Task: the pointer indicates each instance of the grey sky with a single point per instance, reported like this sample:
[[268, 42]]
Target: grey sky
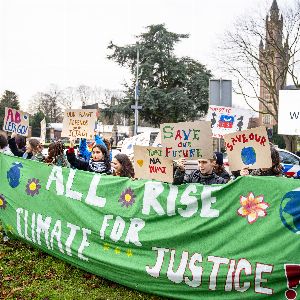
[[65, 41]]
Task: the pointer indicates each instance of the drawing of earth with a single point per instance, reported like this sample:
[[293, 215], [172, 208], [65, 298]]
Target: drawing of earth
[[248, 156]]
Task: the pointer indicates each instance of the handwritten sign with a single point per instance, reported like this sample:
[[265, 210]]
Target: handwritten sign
[[43, 131], [150, 163], [79, 123], [192, 140], [16, 121], [248, 148], [289, 112], [225, 120]]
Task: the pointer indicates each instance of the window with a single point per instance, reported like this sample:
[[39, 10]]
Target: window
[[288, 158]]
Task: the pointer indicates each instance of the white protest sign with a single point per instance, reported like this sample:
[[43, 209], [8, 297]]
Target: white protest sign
[[79, 123], [226, 120], [43, 131], [142, 139], [16, 121], [191, 140], [248, 148], [149, 163], [289, 112]]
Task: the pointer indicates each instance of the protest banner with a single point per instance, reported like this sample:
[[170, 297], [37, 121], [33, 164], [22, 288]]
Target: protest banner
[[43, 131], [16, 121], [226, 120], [289, 112], [234, 241], [248, 148], [150, 163], [79, 123], [191, 140]]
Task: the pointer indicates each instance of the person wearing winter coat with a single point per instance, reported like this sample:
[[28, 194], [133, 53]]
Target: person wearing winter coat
[[98, 163], [204, 175], [275, 170], [86, 153], [219, 168], [33, 149], [4, 148]]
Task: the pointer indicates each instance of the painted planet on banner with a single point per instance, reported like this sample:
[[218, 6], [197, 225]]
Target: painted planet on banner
[[290, 210]]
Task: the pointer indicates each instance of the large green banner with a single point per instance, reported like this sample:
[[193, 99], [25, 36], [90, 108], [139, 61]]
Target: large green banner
[[239, 240]]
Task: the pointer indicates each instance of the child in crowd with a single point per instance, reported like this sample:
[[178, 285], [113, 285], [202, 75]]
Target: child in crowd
[[4, 148], [99, 161], [122, 166], [33, 149], [56, 155]]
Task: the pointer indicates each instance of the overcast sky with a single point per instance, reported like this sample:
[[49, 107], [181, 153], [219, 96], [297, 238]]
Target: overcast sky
[[64, 42]]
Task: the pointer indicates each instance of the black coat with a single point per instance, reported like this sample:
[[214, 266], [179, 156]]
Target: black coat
[[197, 177]]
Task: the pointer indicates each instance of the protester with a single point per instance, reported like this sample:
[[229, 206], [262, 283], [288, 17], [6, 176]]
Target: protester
[[122, 166], [219, 168], [99, 161], [275, 170], [204, 175], [33, 149], [86, 153], [4, 148], [56, 155]]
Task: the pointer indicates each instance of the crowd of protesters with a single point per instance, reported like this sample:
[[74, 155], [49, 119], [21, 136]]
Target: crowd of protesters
[[96, 156]]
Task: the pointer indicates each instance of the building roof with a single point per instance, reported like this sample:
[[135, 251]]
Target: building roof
[[274, 5]]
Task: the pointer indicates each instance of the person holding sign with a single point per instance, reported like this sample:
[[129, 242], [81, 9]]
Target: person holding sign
[[204, 175], [275, 170], [99, 161], [122, 166], [33, 149]]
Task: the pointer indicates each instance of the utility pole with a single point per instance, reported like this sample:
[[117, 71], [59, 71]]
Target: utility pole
[[136, 107]]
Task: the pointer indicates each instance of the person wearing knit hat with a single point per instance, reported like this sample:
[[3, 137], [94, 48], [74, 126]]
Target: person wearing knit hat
[[219, 168]]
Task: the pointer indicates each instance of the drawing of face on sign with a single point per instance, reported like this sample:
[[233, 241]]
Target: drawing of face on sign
[[226, 121]]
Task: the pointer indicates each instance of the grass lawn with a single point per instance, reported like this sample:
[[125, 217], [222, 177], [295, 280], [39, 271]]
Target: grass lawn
[[27, 273]]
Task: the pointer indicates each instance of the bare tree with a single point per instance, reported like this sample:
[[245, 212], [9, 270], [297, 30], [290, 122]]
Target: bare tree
[[262, 53], [49, 103]]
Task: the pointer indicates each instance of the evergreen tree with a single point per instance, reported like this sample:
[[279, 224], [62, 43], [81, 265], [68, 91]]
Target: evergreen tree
[[171, 89]]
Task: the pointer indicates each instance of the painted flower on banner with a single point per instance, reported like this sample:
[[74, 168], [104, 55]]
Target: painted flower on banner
[[127, 197], [2, 202], [33, 186], [252, 207]]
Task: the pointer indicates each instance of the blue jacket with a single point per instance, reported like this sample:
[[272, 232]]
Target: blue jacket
[[85, 153]]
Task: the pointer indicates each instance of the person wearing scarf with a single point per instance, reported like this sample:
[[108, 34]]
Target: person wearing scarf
[[98, 163]]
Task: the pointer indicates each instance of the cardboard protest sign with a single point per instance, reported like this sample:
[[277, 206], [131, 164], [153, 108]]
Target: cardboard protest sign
[[191, 140], [150, 163], [248, 148], [16, 121], [289, 112], [226, 120], [79, 123], [43, 131]]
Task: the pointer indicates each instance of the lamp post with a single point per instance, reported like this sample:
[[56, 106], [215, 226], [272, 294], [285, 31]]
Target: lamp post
[[136, 107]]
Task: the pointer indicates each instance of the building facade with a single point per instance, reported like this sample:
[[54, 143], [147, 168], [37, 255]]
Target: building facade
[[273, 62]]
